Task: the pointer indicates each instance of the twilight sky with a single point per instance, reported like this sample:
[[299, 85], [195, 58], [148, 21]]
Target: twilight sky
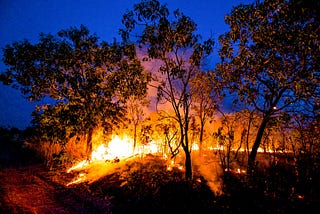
[[25, 19]]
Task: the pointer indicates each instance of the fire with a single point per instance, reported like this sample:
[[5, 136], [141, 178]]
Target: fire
[[105, 156], [195, 147], [172, 164], [100, 153], [119, 148], [80, 165], [80, 178]]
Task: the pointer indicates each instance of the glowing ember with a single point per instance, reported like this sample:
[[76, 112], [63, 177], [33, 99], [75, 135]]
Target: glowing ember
[[169, 167], [241, 171], [173, 164], [300, 196], [238, 170], [180, 167]]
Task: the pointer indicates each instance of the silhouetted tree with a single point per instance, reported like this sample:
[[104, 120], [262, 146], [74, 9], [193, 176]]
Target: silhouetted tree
[[88, 80], [135, 114], [178, 49], [270, 58], [205, 101]]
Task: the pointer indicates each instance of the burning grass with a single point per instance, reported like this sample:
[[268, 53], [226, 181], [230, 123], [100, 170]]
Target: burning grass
[[106, 158], [147, 185], [90, 172], [142, 179]]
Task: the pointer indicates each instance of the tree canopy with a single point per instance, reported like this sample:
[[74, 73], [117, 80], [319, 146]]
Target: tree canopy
[[172, 40], [88, 80], [270, 58]]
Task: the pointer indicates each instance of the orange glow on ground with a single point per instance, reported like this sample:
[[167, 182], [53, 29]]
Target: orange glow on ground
[[106, 155]]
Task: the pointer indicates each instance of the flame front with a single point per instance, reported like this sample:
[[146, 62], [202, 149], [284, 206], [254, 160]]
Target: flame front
[[106, 156], [117, 148], [120, 148]]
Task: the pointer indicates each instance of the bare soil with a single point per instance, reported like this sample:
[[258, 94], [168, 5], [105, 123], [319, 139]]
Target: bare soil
[[27, 187]]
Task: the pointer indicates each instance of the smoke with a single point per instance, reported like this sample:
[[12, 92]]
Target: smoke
[[211, 171]]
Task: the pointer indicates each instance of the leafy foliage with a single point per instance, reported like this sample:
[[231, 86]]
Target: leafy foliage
[[89, 81], [170, 39], [205, 100], [270, 58]]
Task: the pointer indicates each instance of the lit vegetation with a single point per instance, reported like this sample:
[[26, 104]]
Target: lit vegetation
[[190, 151]]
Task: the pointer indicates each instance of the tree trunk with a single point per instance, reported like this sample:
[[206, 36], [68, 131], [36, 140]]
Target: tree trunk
[[201, 139], [188, 172], [134, 138], [89, 143], [255, 147], [187, 152], [248, 134]]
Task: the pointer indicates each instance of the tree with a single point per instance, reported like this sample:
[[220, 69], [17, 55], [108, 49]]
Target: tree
[[204, 100], [135, 114], [89, 81], [270, 58], [176, 46]]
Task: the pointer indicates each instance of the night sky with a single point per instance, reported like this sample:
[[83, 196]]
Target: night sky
[[25, 19]]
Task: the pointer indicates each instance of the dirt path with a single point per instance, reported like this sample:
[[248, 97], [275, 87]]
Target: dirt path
[[24, 192], [27, 190], [26, 187]]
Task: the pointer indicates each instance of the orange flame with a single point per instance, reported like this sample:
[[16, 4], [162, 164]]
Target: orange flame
[[104, 154]]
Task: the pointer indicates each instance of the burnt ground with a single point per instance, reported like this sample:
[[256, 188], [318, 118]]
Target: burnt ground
[[27, 187]]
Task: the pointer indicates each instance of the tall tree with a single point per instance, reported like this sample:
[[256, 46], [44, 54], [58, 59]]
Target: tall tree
[[204, 100], [89, 81], [270, 58], [172, 41]]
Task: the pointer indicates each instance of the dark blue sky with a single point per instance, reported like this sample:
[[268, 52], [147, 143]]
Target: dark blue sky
[[25, 19]]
